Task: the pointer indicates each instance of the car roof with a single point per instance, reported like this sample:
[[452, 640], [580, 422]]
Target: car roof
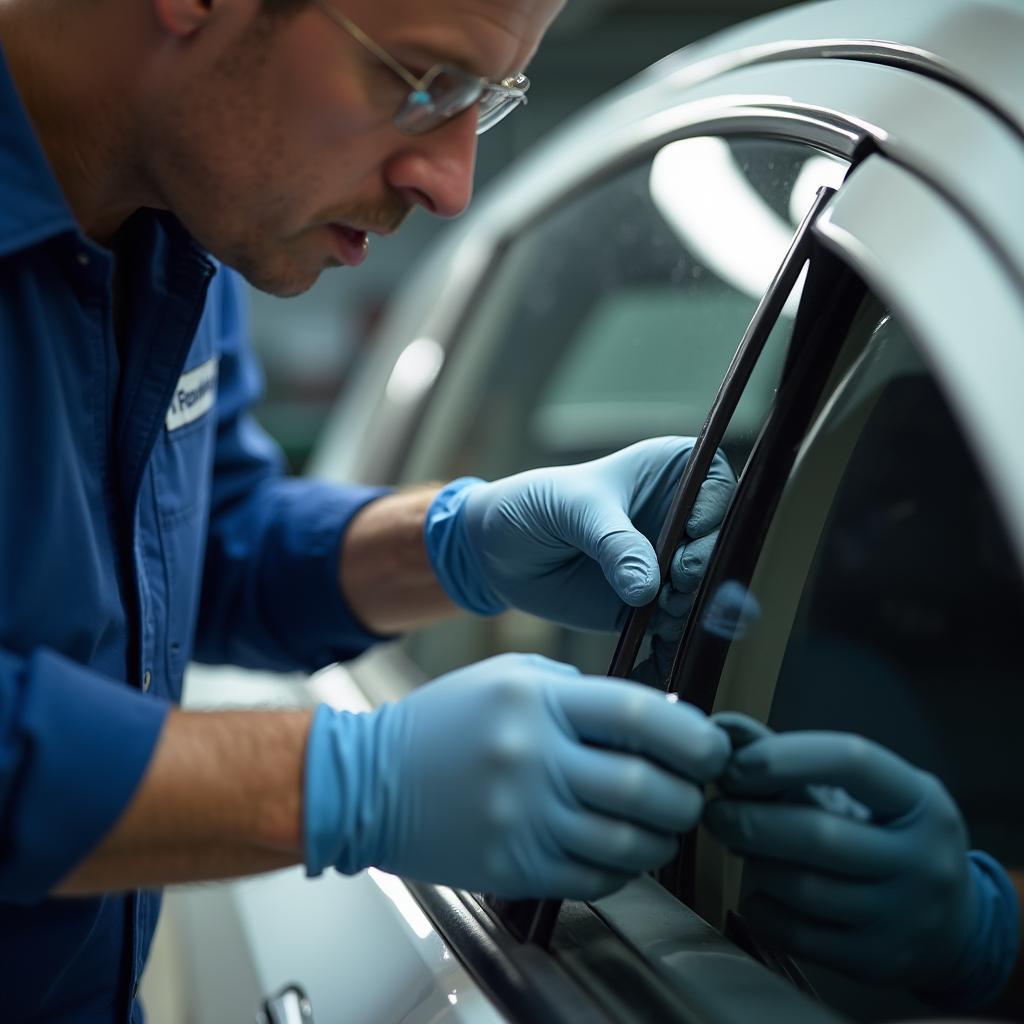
[[974, 45]]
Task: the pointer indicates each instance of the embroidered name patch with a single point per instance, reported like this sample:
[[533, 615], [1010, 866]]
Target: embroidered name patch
[[194, 394]]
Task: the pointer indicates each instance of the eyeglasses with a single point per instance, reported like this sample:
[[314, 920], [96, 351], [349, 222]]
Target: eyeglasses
[[444, 92]]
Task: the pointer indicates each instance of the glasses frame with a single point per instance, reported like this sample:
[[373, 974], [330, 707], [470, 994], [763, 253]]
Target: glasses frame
[[497, 99]]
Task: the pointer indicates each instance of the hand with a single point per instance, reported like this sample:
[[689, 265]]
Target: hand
[[895, 898], [516, 776], [572, 543]]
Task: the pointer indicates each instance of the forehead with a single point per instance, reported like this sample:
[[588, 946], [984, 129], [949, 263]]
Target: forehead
[[492, 38]]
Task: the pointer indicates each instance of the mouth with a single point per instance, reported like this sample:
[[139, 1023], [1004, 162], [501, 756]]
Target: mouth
[[350, 244]]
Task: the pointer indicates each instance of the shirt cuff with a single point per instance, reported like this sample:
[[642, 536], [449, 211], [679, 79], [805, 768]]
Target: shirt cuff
[[81, 743]]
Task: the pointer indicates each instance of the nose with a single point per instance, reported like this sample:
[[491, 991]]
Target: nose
[[435, 170]]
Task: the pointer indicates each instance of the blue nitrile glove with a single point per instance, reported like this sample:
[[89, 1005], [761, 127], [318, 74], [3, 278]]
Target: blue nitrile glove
[[516, 776], [896, 898], [550, 541]]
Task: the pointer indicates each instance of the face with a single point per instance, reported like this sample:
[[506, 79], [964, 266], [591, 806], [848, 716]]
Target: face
[[271, 139]]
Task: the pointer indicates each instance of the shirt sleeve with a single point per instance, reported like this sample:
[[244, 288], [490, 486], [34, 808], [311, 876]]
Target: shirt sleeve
[[270, 596], [62, 786]]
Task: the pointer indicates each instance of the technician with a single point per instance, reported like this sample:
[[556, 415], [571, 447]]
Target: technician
[[146, 147]]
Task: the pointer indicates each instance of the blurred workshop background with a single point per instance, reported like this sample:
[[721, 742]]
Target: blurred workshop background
[[309, 345]]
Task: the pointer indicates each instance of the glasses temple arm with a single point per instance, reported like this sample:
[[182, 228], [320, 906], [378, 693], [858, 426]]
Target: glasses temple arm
[[364, 40]]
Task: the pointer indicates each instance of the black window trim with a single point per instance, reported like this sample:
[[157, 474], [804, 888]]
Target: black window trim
[[533, 921], [832, 295]]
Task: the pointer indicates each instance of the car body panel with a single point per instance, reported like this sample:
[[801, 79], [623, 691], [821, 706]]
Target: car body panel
[[975, 348], [972, 45]]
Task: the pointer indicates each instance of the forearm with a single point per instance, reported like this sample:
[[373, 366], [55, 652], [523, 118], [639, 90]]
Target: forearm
[[221, 797], [384, 572]]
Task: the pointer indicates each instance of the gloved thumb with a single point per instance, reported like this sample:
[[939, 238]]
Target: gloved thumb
[[626, 557]]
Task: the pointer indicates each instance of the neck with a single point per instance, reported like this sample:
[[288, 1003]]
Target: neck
[[75, 87]]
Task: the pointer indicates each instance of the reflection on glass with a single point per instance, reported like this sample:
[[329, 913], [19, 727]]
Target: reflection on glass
[[890, 606], [731, 611], [415, 370], [706, 197]]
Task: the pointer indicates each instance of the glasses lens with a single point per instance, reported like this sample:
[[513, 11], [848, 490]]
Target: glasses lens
[[446, 93]]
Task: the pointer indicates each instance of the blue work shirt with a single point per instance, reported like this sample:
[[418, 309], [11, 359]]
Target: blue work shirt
[[145, 519]]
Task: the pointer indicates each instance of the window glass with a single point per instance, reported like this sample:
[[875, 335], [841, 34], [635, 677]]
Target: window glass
[[611, 320], [886, 600]]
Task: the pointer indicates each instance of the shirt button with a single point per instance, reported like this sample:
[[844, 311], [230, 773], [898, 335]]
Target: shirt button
[[82, 259], [147, 679]]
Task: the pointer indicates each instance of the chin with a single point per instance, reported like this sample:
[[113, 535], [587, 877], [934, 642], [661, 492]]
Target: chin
[[276, 277]]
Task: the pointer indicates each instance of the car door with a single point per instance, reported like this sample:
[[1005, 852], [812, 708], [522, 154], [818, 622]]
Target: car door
[[904, 307]]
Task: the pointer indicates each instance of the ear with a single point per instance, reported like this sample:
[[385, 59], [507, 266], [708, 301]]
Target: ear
[[184, 17]]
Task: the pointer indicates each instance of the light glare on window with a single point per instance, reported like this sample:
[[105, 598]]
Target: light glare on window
[[707, 199], [415, 370]]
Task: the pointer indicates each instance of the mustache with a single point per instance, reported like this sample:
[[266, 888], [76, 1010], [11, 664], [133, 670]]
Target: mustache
[[386, 215]]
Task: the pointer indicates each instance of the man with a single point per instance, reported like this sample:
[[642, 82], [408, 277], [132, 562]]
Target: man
[[146, 146]]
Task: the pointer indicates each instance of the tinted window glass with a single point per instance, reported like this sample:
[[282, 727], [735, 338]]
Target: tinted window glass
[[886, 600], [611, 320]]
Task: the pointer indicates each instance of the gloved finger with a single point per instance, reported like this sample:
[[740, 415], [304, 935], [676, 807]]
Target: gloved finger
[[613, 845], [632, 789], [668, 627], [805, 836], [820, 897], [690, 563], [742, 729], [625, 555], [713, 498], [675, 605], [636, 719], [888, 785], [656, 668], [782, 929]]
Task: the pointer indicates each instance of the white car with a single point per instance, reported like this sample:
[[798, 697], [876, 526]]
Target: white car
[[805, 238]]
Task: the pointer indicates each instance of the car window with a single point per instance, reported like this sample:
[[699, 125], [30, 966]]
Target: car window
[[885, 600], [610, 320]]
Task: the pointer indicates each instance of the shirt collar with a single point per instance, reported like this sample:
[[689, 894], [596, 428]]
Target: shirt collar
[[32, 206]]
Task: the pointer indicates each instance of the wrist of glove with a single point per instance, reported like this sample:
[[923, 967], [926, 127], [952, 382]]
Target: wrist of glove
[[858, 860], [452, 555], [517, 776], [992, 941]]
